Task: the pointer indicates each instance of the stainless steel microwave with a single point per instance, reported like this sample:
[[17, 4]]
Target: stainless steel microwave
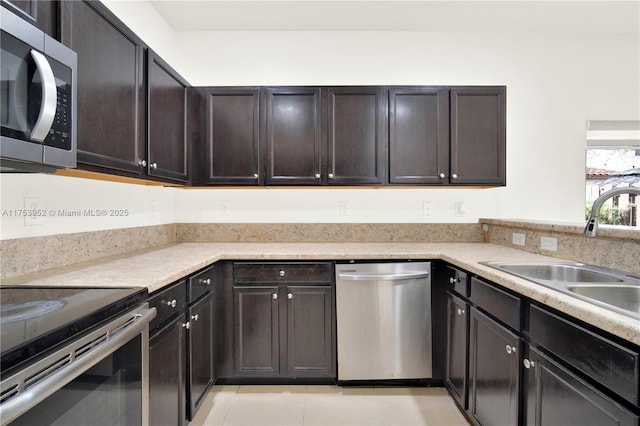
[[38, 88]]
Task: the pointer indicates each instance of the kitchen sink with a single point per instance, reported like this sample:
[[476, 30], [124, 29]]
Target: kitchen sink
[[559, 272], [609, 288], [623, 296]]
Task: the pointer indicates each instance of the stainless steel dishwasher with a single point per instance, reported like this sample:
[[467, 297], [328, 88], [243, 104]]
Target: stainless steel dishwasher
[[383, 313]]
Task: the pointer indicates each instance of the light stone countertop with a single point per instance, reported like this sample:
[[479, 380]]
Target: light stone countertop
[[156, 268]]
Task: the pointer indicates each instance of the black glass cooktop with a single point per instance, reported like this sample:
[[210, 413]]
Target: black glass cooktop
[[35, 319]]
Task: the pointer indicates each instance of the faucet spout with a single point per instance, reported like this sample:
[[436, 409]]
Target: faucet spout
[[591, 228]]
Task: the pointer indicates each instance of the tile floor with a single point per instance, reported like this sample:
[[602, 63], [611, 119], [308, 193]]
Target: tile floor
[[328, 405]]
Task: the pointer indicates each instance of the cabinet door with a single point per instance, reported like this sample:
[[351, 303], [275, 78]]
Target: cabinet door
[[256, 331], [233, 136], [41, 13], [478, 135], [457, 348], [292, 133], [555, 396], [166, 375], [356, 135], [493, 372], [418, 135], [200, 347], [310, 349], [166, 120], [111, 119]]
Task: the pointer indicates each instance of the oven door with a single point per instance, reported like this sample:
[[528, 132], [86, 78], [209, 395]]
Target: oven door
[[101, 379]]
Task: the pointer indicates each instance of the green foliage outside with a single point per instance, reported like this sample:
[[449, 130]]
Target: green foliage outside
[[612, 215]]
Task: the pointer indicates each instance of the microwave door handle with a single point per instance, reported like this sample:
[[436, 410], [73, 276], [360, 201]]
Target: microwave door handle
[[49, 98]]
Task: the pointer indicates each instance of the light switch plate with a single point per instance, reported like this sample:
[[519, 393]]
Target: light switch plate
[[549, 243]]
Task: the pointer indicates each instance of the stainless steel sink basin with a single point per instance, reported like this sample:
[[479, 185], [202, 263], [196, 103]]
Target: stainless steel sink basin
[[609, 288], [623, 296], [560, 272]]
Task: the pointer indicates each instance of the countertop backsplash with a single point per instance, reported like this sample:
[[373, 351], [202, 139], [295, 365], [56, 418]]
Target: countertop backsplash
[[617, 247]]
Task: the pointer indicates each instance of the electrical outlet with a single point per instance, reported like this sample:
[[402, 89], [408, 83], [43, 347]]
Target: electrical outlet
[[344, 208], [33, 211], [549, 243], [225, 207], [426, 208], [518, 239], [460, 208], [153, 208]]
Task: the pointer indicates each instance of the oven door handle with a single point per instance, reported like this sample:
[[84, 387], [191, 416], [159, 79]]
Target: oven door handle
[[135, 323]]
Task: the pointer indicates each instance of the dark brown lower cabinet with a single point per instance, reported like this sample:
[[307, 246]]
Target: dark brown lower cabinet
[[494, 371], [283, 323], [166, 374], [257, 351], [284, 332], [200, 345], [309, 330], [455, 378], [556, 396]]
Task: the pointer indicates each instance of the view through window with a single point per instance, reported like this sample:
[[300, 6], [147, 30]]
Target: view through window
[[613, 161]]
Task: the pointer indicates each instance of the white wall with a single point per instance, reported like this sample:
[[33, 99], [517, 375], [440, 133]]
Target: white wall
[[66, 205], [555, 83]]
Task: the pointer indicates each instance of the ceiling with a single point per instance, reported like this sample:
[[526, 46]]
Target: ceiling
[[604, 17]]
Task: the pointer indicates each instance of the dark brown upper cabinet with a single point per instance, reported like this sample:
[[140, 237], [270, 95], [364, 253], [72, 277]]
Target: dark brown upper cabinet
[[232, 136], [478, 135], [167, 135], [418, 135], [111, 98], [292, 135], [355, 135], [41, 13]]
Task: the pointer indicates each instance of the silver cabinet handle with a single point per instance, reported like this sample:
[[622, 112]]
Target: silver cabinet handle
[[454, 176], [186, 325], [528, 364], [142, 163], [317, 175], [49, 98], [289, 296], [511, 349], [383, 277], [330, 175], [195, 317], [452, 280], [442, 175], [282, 273], [274, 296], [171, 303], [256, 176], [460, 311], [205, 281], [153, 165]]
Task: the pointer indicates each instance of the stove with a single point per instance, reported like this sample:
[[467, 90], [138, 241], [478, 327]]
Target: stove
[[34, 320]]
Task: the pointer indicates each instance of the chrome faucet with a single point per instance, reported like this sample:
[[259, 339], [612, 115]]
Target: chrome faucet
[[591, 229]]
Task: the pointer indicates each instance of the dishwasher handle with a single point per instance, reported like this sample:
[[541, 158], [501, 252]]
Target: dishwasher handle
[[354, 276]]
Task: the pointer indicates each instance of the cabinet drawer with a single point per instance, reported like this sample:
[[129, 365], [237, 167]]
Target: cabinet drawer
[[168, 302], [502, 305], [308, 273], [201, 283], [605, 361], [457, 280]]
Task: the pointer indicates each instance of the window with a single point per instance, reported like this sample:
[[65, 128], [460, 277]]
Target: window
[[613, 160]]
